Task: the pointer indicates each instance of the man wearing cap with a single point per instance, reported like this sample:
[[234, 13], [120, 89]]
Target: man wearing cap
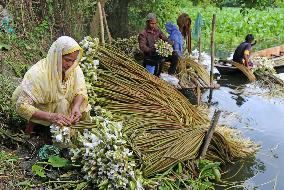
[[147, 38]]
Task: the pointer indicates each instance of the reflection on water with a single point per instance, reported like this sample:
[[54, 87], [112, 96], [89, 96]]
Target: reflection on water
[[235, 174], [260, 119]]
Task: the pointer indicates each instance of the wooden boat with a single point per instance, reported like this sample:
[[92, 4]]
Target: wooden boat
[[274, 53]]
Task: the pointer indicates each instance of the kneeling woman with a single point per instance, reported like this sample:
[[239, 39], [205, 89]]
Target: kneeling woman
[[53, 90]]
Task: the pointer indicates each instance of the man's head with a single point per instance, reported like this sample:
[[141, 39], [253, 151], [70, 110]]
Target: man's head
[[249, 38], [151, 21]]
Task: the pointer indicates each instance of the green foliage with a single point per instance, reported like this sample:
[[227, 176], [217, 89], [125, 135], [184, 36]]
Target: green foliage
[[231, 25], [179, 177], [8, 114], [209, 170], [10, 171], [38, 170], [4, 46], [54, 161], [244, 4], [37, 24], [7, 159], [164, 9]]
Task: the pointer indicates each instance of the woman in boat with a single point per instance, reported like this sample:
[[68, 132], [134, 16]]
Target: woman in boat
[[53, 90], [243, 51]]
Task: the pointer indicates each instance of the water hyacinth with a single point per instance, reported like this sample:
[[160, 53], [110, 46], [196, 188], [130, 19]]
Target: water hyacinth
[[163, 48]]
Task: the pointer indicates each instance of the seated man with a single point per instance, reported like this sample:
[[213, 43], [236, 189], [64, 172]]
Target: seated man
[[176, 38], [243, 51], [147, 39]]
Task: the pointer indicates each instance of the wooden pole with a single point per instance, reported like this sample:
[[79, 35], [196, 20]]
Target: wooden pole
[[198, 92], [212, 48], [210, 132], [107, 28], [101, 23], [1, 63], [199, 48], [210, 96]]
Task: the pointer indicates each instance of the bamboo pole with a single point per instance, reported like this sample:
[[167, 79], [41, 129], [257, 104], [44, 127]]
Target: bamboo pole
[[212, 48], [199, 47], [210, 96], [1, 63], [107, 28], [101, 22], [198, 91], [210, 132]]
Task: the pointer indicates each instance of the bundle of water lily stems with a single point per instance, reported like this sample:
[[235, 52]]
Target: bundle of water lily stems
[[162, 127], [267, 79], [190, 72], [248, 72]]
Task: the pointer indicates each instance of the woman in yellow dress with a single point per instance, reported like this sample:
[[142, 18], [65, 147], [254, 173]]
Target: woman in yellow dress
[[53, 90]]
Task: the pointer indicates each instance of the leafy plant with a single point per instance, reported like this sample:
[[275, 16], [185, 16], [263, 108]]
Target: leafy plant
[[54, 161], [178, 177], [8, 114]]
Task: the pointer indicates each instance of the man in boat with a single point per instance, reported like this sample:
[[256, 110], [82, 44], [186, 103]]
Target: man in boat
[[243, 51], [147, 39]]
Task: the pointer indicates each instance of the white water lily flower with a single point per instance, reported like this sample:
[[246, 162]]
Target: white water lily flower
[[89, 145], [96, 63], [58, 138], [65, 130], [83, 59], [116, 167], [54, 128]]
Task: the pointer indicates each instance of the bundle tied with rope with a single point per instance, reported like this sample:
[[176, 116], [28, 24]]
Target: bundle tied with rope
[[160, 124]]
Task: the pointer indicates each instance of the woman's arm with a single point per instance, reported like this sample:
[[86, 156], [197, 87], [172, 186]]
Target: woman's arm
[[75, 112], [56, 118], [26, 109]]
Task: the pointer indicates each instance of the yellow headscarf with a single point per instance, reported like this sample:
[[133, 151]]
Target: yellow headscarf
[[43, 81]]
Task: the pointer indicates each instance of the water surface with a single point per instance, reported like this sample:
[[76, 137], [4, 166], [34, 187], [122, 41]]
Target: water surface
[[262, 120]]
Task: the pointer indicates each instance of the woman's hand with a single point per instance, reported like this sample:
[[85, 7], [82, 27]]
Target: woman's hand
[[75, 114], [60, 119]]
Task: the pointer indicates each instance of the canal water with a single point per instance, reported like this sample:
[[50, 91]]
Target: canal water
[[261, 119]]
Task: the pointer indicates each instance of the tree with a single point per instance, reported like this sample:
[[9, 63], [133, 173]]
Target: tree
[[117, 15]]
